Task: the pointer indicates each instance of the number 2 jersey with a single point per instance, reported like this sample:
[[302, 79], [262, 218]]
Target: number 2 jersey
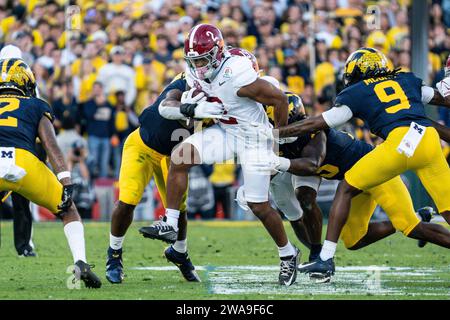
[[386, 103], [342, 152], [19, 121]]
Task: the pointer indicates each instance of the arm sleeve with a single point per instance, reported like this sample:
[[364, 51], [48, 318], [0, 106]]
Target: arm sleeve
[[427, 94], [170, 113], [337, 116]]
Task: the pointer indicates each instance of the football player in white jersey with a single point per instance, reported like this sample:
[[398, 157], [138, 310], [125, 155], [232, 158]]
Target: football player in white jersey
[[227, 83]]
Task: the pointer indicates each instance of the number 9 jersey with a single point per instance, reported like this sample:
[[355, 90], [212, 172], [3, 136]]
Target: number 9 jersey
[[386, 103]]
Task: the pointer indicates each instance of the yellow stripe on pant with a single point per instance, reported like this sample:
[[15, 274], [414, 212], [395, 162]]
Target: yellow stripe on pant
[[384, 163], [39, 185], [393, 197], [139, 164]]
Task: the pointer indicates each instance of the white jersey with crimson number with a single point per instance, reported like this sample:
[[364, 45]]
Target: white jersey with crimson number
[[234, 73]]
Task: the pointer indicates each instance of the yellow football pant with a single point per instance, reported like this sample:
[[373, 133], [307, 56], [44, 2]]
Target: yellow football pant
[[39, 185], [384, 163], [393, 197], [139, 164]]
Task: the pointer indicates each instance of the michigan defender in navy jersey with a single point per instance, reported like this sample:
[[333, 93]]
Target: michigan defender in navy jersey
[[342, 152], [391, 104], [146, 154], [23, 118]]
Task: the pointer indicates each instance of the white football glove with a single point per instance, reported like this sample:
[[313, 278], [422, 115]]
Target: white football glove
[[443, 87], [187, 97], [255, 133], [211, 110], [272, 164]]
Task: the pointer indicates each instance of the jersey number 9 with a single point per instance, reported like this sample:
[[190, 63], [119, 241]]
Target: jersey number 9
[[397, 94]]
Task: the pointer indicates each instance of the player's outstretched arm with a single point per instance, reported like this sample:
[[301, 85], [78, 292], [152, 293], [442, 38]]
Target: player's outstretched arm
[[265, 93], [313, 155], [439, 100], [169, 108], [444, 132], [47, 135], [303, 127]]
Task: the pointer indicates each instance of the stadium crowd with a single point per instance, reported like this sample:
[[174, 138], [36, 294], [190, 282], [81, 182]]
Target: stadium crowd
[[100, 63]]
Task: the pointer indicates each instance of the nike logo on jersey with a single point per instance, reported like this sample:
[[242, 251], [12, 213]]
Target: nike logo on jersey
[[221, 83]]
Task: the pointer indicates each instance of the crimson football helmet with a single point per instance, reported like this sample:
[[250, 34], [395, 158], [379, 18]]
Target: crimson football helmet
[[245, 53], [204, 50]]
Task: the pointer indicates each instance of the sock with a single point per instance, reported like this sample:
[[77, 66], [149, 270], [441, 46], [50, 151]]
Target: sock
[[116, 242], [315, 249], [74, 232], [180, 246], [172, 216], [328, 250], [286, 251]]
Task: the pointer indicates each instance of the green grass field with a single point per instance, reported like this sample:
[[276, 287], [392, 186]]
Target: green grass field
[[236, 260]]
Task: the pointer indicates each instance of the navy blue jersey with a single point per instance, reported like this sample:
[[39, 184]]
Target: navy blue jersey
[[342, 152], [19, 121], [386, 103], [156, 131]]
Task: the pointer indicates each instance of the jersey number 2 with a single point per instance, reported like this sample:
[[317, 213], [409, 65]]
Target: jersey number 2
[[11, 105], [397, 94]]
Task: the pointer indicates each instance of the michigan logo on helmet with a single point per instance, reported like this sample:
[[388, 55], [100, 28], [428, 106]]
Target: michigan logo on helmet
[[364, 63], [296, 109], [16, 75]]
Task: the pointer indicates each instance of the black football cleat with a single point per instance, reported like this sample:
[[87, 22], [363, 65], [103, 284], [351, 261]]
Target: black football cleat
[[320, 271], [288, 269], [82, 271], [183, 262], [28, 253], [160, 230], [114, 266], [425, 213]]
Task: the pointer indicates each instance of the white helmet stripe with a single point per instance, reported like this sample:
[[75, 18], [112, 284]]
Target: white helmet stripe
[[191, 38]]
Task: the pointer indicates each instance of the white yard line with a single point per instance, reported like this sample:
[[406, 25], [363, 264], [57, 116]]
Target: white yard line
[[351, 280]]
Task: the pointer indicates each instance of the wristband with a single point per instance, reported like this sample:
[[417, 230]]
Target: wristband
[[63, 174]]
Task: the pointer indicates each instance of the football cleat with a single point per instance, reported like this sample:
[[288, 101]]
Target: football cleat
[[320, 271], [183, 262], [28, 253], [82, 271], [425, 213], [288, 269], [160, 230], [114, 266]]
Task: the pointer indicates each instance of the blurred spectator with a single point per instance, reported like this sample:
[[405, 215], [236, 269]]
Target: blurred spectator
[[83, 194], [100, 127], [66, 106], [125, 122], [68, 135], [223, 178], [117, 76], [201, 195]]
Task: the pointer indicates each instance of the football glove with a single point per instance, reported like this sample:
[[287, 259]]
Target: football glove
[[198, 107], [444, 85], [66, 199]]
